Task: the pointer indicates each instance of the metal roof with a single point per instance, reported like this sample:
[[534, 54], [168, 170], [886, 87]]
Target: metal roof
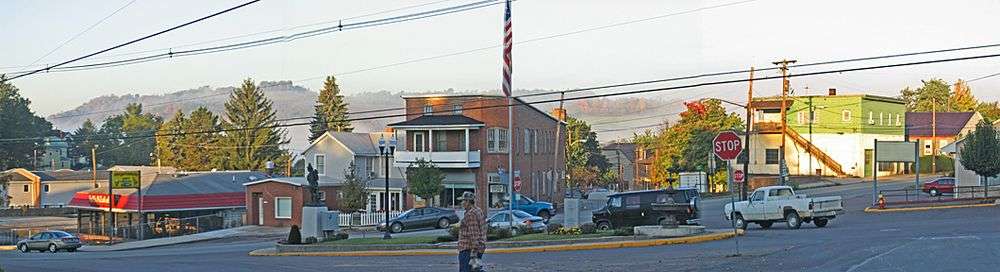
[[439, 120]]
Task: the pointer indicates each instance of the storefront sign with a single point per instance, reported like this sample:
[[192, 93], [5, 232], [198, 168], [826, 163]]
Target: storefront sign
[[103, 201], [125, 179], [497, 188]]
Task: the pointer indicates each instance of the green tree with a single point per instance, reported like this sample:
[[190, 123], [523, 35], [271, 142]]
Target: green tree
[[17, 122], [168, 145], [981, 153], [201, 150], [331, 111], [83, 141], [934, 91], [355, 193], [127, 137], [252, 137], [425, 180]]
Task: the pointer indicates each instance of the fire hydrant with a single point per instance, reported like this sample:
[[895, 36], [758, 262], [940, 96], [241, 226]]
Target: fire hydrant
[[881, 201]]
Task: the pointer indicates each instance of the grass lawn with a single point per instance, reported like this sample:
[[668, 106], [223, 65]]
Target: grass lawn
[[380, 241], [550, 237]]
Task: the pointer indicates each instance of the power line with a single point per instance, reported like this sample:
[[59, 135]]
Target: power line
[[641, 91], [64, 43], [48, 68], [272, 40]]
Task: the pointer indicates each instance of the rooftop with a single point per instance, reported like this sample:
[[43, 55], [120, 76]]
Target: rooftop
[[948, 124], [439, 120]]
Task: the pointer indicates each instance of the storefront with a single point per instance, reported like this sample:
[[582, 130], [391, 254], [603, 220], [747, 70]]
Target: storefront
[[169, 205]]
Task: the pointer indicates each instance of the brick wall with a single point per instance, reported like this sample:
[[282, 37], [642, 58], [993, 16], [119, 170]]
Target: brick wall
[[270, 190]]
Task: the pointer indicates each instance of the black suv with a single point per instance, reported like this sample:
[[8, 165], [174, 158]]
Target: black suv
[[651, 207]]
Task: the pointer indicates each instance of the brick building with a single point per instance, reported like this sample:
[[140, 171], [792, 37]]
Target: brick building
[[278, 202], [467, 137]]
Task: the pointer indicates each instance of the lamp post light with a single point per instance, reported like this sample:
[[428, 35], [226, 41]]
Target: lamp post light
[[387, 150]]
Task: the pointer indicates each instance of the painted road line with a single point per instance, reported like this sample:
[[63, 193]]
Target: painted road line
[[2, 248], [913, 209]]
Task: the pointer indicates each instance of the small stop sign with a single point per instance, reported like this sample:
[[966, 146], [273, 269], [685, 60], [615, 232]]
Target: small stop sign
[[727, 145], [738, 176]]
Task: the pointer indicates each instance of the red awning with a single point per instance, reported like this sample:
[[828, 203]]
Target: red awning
[[154, 203]]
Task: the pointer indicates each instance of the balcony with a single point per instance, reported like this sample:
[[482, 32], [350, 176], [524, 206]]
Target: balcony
[[441, 159]]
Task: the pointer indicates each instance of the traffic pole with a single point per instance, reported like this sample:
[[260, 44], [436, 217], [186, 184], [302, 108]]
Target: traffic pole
[[732, 203]]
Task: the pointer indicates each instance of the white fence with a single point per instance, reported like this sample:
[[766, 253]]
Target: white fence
[[367, 219]]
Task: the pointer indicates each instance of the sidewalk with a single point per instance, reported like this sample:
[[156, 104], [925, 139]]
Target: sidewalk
[[245, 231]]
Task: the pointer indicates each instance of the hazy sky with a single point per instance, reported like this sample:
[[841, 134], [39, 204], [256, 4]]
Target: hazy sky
[[720, 39]]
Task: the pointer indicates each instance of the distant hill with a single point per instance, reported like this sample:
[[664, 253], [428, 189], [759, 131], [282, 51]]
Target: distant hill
[[296, 101]]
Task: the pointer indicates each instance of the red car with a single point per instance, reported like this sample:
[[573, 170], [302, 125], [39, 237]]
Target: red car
[[940, 186]]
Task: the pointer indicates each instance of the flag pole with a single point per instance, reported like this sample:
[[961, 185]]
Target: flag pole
[[508, 90]]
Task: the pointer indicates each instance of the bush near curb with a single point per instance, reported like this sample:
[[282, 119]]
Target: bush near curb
[[311, 240], [294, 236], [521, 230], [624, 232], [454, 231], [343, 235], [568, 231], [551, 228], [588, 228], [445, 239], [493, 234]]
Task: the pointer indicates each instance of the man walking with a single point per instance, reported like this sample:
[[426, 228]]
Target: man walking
[[471, 235]]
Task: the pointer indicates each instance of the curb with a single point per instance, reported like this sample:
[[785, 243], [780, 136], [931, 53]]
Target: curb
[[105, 249], [6, 248], [552, 248], [913, 209]]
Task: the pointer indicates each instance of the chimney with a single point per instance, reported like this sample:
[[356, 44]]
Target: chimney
[[833, 91]]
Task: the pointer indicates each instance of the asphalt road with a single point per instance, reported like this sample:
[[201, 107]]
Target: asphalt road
[[937, 240]]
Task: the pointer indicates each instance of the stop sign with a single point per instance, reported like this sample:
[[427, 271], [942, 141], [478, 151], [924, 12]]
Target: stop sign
[[738, 176], [517, 184], [727, 145]]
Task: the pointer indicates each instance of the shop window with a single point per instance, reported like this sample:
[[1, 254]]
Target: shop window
[[283, 207], [771, 156]]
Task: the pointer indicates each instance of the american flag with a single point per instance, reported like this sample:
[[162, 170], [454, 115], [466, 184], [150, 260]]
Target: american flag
[[508, 37]]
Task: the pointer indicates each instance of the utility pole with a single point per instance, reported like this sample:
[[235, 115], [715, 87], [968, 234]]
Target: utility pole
[[93, 163], [560, 114], [746, 144], [783, 168], [933, 136]]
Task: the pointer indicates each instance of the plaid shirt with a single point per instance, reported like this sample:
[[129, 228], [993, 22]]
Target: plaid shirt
[[472, 231]]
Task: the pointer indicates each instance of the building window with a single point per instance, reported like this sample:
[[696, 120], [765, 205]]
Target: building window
[[25, 188], [370, 166], [527, 141], [871, 118], [283, 207], [813, 119], [322, 195], [456, 109], [428, 110], [898, 121], [419, 144], [881, 121], [771, 156], [45, 188], [845, 116], [440, 141], [320, 162], [491, 140], [800, 117], [496, 140], [534, 141]]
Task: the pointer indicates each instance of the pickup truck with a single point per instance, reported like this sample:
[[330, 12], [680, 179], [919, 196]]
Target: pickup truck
[[780, 204]]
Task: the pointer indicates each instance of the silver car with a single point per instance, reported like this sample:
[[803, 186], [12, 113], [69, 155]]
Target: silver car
[[50, 240], [502, 220]]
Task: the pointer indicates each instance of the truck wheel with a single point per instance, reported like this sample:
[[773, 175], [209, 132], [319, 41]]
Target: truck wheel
[[820, 222], [765, 224], [603, 225], [793, 220], [740, 223], [544, 214]]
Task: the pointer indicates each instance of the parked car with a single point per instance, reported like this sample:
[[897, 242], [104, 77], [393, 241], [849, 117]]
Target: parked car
[[540, 208], [940, 186], [502, 220], [772, 204], [650, 207], [50, 240], [425, 217]]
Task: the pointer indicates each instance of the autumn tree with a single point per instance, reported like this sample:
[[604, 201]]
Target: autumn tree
[[252, 137], [331, 111]]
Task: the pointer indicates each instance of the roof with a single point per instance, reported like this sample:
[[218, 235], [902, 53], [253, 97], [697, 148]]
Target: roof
[[182, 191], [63, 175], [770, 104], [326, 181], [439, 120], [518, 100], [775, 101], [627, 148], [947, 123], [361, 144]]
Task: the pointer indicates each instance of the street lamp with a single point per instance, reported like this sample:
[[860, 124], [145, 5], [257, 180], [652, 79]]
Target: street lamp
[[386, 151]]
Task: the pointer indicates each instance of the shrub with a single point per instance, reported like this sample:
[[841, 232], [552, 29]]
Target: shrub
[[342, 235], [445, 239], [294, 236], [588, 228], [521, 230], [311, 240], [551, 228], [568, 231], [454, 231], [624, 232], [493, 234]]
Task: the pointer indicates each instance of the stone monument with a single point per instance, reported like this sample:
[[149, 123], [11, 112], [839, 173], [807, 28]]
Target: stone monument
[[314, 210]]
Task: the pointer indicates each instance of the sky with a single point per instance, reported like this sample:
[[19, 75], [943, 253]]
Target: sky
[[678, 39]]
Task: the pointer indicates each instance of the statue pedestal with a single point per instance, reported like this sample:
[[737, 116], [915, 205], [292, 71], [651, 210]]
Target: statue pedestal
[[312, 222]]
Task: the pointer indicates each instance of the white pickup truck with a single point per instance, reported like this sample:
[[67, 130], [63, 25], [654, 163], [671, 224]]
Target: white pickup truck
[[780, 204]]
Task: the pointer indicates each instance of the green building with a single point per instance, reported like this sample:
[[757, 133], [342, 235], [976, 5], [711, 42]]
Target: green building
[[829, 135]]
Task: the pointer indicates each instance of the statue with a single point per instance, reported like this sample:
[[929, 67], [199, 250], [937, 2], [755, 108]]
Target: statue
[[313, 178]]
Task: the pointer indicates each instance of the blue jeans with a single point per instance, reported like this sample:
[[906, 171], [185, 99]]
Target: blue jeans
[[463, 260]]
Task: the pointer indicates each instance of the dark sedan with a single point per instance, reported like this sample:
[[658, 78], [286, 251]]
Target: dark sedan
[[51, 240], [422, 218]]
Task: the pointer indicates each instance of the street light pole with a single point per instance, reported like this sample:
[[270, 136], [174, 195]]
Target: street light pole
[[386, 152]]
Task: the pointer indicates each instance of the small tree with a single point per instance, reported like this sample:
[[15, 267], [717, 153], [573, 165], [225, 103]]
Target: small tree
[[981, 153], [425, 179], [355, 193]]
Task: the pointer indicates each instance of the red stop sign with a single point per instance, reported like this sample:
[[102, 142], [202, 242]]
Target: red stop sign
[[727, 145], [738, 176], [517, 184]]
